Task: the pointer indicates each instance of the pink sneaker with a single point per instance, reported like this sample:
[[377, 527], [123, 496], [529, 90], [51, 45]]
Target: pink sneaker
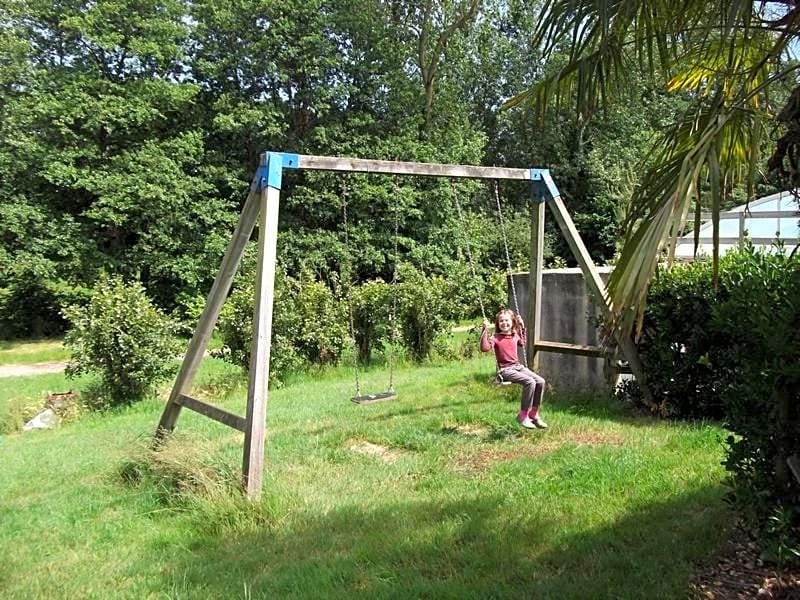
[[526, 423], [538, 422]]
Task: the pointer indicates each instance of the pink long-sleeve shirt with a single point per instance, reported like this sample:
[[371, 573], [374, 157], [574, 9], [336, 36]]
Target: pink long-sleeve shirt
[[505, 346]]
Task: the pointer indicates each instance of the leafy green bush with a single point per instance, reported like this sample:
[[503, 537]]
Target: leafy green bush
[[424, 310], [372, 309], [466, 291], [677, 342], [758, 371], [496, 296], [734, 354], [308, 325], [121, 336], [235, 324], [235, 329], [17, 412], [30, 306], [318, 322], [187, 311]]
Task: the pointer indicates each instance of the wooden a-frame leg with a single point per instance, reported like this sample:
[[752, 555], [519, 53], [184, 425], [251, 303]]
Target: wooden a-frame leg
[[598, 289], [208, 319], [536, 260], [255, 429]]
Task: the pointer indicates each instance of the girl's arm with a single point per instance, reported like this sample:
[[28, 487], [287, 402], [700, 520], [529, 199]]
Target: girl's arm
[[486, 343], [522, 333]]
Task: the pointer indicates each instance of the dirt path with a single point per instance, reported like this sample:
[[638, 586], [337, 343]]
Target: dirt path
[[34, 369]]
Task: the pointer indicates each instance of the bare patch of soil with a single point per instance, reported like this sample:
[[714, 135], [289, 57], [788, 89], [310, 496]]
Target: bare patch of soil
[[738, 573], [480, 461], [472, 430], [387, 455], [483, 458], [591, 437]]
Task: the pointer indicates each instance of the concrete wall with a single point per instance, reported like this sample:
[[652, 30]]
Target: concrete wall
[[566, 312]]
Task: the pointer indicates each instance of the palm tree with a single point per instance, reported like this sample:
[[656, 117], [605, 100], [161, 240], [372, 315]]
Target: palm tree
[[725, 57]]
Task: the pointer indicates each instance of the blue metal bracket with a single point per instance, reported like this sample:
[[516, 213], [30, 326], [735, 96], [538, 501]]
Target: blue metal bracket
[[270, 171], [543, 187]]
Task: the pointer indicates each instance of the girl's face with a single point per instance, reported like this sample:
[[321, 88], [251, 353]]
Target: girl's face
[[505, 323]]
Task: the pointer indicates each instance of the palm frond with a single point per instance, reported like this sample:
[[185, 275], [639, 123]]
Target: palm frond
[[605, 41], [588, 81], [733, 66], [705, 148]]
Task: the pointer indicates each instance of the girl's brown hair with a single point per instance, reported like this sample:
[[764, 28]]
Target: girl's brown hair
[[514, 320]]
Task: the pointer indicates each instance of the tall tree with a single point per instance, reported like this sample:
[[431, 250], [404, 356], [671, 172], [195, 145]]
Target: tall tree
[[593, 159], [431, 26], [101, 152]]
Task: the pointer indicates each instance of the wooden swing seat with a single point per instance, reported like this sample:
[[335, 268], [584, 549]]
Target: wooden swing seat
[[370, 398]]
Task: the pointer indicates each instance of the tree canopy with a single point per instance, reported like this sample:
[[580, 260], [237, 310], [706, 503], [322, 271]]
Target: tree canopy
[[129, 133]]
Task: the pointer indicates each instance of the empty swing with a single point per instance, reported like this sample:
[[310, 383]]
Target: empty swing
[[390, 393], [498, 379]]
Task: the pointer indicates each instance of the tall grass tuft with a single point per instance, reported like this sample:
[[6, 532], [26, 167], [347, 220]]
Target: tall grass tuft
[[192, 476], [17, 412]]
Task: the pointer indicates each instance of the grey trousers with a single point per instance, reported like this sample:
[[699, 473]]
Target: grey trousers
[[532, 384]]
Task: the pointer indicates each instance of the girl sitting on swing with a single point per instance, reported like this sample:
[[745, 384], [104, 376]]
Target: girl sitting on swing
[[509, 334]]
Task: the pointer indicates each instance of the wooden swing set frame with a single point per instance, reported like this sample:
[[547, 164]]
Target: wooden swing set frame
[[262, 206]]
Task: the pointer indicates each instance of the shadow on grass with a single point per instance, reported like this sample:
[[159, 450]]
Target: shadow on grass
[[474, 547], [606, 407], [398, 410], [457, 394], [594, 404], [505, 400], [599, 405]]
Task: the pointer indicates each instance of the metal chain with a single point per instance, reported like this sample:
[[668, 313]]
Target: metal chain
[[508, 260], [467, 246], [349, 288], [471, 261], [393, 314]]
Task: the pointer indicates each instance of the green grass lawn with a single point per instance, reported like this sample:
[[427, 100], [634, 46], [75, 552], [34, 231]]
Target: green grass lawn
[[32, 351], [438, 494]]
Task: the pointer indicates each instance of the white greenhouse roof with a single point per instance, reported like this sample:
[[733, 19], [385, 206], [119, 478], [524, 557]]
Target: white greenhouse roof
[[764, 231]]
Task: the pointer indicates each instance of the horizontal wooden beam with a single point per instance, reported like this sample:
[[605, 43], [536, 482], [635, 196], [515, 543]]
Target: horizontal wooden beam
[[212, 412], [574, 349], [360, 165]]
